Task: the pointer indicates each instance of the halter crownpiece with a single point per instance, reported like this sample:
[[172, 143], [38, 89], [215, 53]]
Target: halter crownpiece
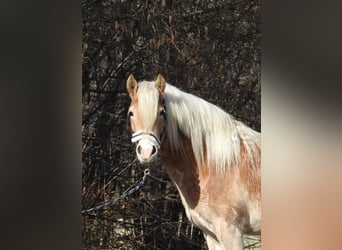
[[137, 136]]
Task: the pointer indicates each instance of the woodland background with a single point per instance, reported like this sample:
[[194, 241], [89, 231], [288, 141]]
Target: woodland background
[[206, 47]]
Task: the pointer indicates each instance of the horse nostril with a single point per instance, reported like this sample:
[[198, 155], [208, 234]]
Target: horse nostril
[[154, 150], [139, 149]]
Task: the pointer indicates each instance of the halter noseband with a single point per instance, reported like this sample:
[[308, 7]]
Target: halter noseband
[[137, 136]]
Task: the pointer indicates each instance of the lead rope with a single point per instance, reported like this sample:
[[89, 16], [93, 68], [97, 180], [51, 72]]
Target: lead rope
[[123, 196]]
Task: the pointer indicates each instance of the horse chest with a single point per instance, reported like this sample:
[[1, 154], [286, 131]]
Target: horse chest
[[187, 183], [198, 215]]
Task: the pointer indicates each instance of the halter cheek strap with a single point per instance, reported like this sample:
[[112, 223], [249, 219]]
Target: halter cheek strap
[[137, 136]]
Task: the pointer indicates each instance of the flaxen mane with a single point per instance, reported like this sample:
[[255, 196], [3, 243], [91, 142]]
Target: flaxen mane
[[202, 122]]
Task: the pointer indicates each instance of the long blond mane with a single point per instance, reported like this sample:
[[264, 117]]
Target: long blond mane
[[208, 127]]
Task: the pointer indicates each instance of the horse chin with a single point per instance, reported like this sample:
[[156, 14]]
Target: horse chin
[[147, 162]]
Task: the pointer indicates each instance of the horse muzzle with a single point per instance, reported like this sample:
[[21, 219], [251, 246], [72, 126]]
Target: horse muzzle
[[148, 145]]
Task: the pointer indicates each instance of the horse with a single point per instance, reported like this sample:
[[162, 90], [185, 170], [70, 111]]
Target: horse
[[212, 158]]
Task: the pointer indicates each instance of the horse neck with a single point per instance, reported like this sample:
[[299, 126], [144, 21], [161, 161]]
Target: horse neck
[[183, 170], [174, 160], [190, 178]]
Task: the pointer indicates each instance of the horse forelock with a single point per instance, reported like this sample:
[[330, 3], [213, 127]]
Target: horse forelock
[[148, 97], [209, 129]]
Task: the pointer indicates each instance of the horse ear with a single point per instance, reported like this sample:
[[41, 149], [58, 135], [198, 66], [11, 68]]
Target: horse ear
[[131, 85], [160, 83]]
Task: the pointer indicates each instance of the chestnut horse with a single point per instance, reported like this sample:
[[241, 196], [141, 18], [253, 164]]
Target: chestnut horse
[[213, 159]]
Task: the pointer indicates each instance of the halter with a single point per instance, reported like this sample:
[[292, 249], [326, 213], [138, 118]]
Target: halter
[[137, 136]]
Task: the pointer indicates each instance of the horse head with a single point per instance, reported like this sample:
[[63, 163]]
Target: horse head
[[147, 116]]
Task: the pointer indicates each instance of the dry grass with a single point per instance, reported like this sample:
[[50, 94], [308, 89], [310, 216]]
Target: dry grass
[[252, 242]]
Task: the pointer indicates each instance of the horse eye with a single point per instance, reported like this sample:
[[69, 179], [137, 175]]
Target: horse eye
[[130, 114], [162, 113]]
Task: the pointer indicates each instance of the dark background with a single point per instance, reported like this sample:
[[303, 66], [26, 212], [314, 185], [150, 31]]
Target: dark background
[[208, 48]]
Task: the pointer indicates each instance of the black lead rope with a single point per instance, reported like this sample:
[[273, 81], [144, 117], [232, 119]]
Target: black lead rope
[[123, 196]]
